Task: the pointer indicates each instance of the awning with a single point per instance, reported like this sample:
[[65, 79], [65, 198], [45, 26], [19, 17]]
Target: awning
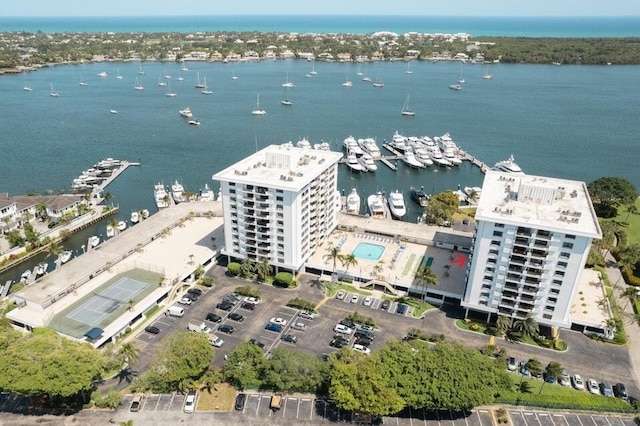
[[94, 333]]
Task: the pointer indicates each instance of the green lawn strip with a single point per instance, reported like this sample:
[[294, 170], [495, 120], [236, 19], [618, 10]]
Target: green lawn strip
[[556, 396], [482, 329], [408, 265], [419, 307], [332, 289], [633, 230]]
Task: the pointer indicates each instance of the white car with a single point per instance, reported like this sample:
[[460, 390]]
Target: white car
[[593, 387], [339, 328], [354, 298], [252, 300], [190, 402], [279, 321], [367, 301], [215, 341], [185, 301], [362, 349], [366, 328], [565, 378], [577, 382]]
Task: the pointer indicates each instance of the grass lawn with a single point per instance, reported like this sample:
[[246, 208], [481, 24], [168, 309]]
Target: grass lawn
[[221, 398], [332, 289], [556, 396], [633, 230]]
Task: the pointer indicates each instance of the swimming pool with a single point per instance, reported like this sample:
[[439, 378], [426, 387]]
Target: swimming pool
[[368, 251]]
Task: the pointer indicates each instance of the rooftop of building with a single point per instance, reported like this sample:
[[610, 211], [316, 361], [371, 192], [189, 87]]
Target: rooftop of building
[[538, 202], [281, 167]]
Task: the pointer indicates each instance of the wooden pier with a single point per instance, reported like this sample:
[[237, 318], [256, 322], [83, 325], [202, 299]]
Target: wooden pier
[[124, 165], [482, 166]]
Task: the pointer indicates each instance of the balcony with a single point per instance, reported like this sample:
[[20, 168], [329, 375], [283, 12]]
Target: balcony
[[520, 241]]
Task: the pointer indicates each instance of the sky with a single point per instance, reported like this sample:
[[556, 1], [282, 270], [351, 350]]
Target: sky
[[560, 8]]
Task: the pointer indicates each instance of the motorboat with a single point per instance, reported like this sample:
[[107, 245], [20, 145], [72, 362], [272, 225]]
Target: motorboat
[[354, 165], [396, 204], [102, 74], [145, 213], [135, 217], [411, 161], [110, 231], [368, 162], [369, 146], [375, 202], [207, 194], [286, 102], [322, 146], [351, 146], [94, 240], [508, 166], [347, 83], [353, 202], [177, 191], [25, 275], [419, 196], [194, 122], [113, 111], [65, 256], [122, 225], [455, 86], [422, 155], [399, 142], [41, 268], [303, 143], [186, 112], [160, 195]]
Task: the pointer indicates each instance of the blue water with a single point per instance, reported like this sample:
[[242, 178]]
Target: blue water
[[476, 26], [574, 122], [368, 251]]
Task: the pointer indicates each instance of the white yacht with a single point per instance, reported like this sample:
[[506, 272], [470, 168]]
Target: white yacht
[[186, 112], [138, 85], [353, 202], [41, 268], [287, 83], [422, 155], [354, 165], [160, 195], [399, 142], [369, 146], [396, 204], [322, 146], [351, 146], [411, 161], [368, 162], [25, 275], [94, 240], [122, 225], [303, 143], [135, 217], [102, 74], [207, 194], [110, 231], [65, 256], [508, 166], [258, 111], [375, 202], [177, 191]]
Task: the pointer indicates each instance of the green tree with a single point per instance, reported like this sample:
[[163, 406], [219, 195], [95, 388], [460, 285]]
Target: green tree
[[247, 268], [629, 256], [14, 238], [30, 234], [333, 255], [610, 192], [45, 364], [349, 260], [503, 323], [129, 354], [245, 366], [210, 378], [630, 293], [263, 269], [534, 366], [632, 209], [553, 369], [292, 371], [608, 240], [527, 327], [426, 277], [41, 210]]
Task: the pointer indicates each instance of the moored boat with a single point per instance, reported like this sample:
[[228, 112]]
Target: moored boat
[[135, 217], [411, 161], [354, 165], [419, 196], [177, 191], [353, 202], [375, 202], [508, 166], [94, 240], [396, 204], [122, 225], [160, 195], [207, 194], [368, 162], [41, 268], [65, 256], [186, 112], [110, 231]]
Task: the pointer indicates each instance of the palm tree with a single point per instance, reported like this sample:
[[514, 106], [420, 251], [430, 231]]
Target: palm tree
[[108, 196], [263, 269], [631, 294], [54, 249], [129, 353], [349, 260], [628, 257], [632, 209], [534, 366], [333, 255], [528, 326], [503, 323], [113, 223], [209, 379], [426, 277], [247, 268], [41, 210], [554, 369]]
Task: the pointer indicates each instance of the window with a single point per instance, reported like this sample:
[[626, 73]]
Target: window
[[554, 291], [547, 316], [560, 273], [495, 242], [549, 308], [564, 255], [557, 282], [567, 245], [562, 264], [497, 233], [570, 237], [499, 225], [279, 198]]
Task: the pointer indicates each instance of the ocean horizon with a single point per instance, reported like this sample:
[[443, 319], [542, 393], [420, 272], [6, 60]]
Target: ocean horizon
[[503, 26]]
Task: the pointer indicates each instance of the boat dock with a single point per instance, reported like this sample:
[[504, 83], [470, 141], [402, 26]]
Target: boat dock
[[482, 166], [117, 172]]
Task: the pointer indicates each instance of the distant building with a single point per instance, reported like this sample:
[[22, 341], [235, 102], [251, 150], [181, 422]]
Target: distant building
[[279, 204], [532, 240]]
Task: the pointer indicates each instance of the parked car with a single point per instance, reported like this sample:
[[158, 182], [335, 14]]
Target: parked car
[[248, 306], [224, 306], [257, 343], [299, 326], [226, 328], [279, 321], [402, 308], [578, 383], [273, 327], [340, 328], [348, 323], [307, 315], [191, 296], [385, 305], [512, 363], [367, 301], [340, 294], [195, 291], [339, 342], [235, 317], [606, 389], [549, 378], [565, 378], [354, 298], [362, 349], [290, 338], [620, 390], [136, 402], [364, 341], [152, 329], [366, 328], [185, 301], [213, 317], [592, 386], [190, 402], [363, 333], [523, 368], [240, 401]]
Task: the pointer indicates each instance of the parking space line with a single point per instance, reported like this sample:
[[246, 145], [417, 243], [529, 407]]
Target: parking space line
[[157, 403], [579, 419], [258, 406], [310, 408]]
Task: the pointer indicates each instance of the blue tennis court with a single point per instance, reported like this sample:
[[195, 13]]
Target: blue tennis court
[[107, 301]]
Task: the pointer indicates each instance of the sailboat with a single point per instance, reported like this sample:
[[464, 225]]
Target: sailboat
[[82, 82], [486, 75], [258, 111], [169, 93], [138, 85], [140, 70], [160, 82], [118, 76], [205, 89], [406, 110], [198, 84], [408, 70], [26, 87], [233, 75], [285, 100], [183, 67], [461, 80], [378, 82], [359, 73], [347, 82], [53, 93], [313, 68], [287, 83], [180, 77]]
